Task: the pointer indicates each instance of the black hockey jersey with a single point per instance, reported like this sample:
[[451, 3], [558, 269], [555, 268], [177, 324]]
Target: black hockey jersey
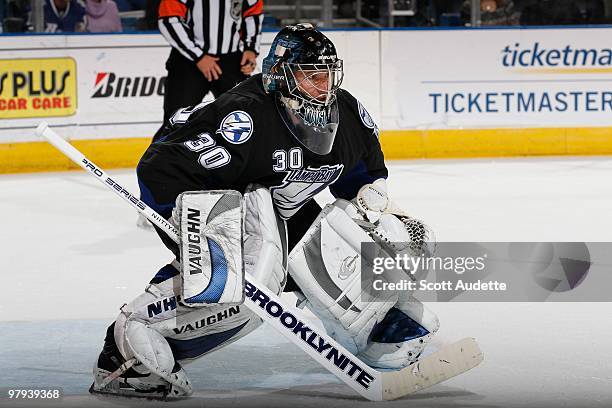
[[241, 138]]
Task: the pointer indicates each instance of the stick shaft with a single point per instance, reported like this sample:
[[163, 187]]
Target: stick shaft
[[79, 158], [289, 321]]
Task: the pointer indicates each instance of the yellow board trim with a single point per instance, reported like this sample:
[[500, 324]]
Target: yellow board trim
[[396, 144], [466, 143], [41, 156]]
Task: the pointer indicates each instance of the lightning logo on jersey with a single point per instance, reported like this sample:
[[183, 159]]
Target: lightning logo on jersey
[[366, 119], [301, 185], [236, 127]]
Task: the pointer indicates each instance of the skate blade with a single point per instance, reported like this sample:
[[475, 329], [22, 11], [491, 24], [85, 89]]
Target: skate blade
[[156, 395]]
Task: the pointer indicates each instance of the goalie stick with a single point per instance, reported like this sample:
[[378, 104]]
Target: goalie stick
[[372, 384]]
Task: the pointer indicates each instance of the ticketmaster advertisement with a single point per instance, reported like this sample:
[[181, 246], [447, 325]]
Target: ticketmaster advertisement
[[496, 78]]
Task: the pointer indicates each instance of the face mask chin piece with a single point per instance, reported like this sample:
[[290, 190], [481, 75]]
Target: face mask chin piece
[[313, 126]]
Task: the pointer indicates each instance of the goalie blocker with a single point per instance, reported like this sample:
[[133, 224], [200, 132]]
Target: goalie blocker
[[389, 332]]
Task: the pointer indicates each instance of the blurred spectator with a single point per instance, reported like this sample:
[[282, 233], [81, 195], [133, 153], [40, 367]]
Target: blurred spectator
[[149, 22], [608, 10], [492, 12], [129, 21], [129, 5], [370, 9], [591, 12], [425, 14], [565, 12], [448, 12], [17, 16], [550, 12], [102, 16], [378, 11], [64, 16]]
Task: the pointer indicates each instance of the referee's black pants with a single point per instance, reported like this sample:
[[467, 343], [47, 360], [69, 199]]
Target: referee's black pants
[[186, 85]]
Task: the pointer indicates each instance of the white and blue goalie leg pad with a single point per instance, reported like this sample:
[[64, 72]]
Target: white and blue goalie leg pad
[[210, 231], [265, 239], [152, 350], [157, 330]]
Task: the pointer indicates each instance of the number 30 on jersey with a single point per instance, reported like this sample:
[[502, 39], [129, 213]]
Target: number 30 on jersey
[[213, 156], [288, 160]]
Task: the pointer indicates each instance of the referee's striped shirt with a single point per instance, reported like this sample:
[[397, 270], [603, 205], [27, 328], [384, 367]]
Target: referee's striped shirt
[[214, 27]]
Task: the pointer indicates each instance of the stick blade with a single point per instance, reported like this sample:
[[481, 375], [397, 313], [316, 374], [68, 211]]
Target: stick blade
[[446, 363]]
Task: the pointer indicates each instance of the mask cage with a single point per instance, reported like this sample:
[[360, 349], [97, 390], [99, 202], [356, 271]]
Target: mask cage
[[314, 84]]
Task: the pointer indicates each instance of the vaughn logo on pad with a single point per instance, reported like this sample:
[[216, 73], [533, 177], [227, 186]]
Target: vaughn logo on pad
[[210, 225]]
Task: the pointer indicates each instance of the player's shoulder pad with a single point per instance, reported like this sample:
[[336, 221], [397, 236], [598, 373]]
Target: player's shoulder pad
[[345, 97], [241, 110], [251, 88]]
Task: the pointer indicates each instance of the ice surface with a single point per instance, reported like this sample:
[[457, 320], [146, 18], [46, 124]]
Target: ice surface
[[71, 255]]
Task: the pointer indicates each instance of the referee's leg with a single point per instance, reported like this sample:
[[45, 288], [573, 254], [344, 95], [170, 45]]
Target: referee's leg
[[185, 84], [231, 76]]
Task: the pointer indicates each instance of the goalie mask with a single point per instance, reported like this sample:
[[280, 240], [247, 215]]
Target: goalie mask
[[303, 70]]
